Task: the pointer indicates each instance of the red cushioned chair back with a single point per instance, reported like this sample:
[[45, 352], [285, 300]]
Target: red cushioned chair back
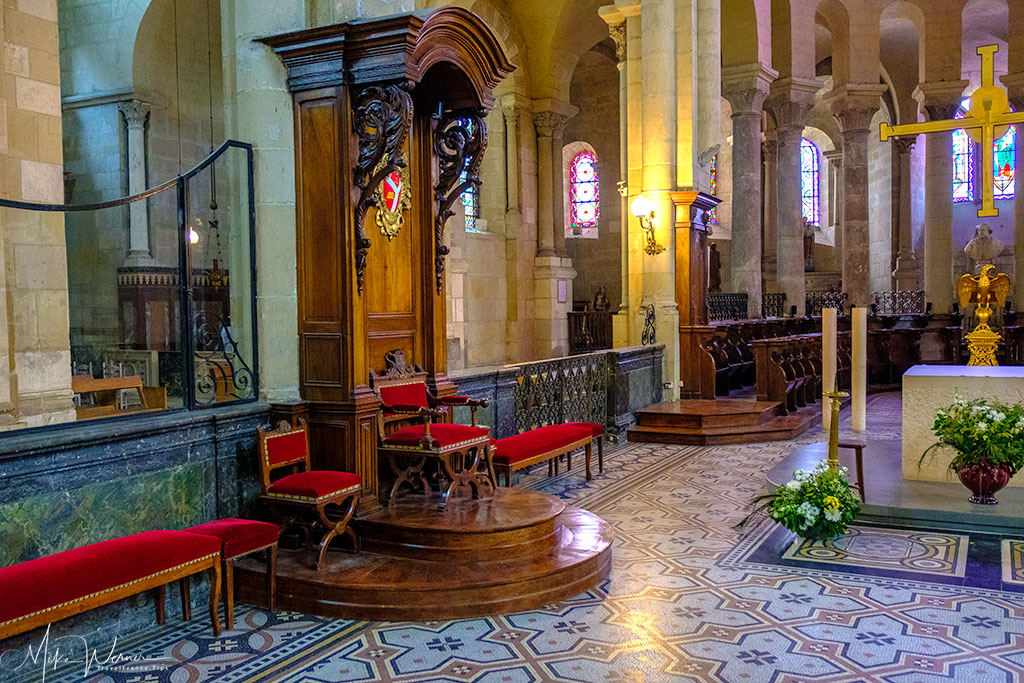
[[283, 447], [405, 394]]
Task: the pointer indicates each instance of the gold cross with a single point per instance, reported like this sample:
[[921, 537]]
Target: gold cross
[[987, 120]]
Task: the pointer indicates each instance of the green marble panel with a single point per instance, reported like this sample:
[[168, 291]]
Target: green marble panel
[[170, 498]]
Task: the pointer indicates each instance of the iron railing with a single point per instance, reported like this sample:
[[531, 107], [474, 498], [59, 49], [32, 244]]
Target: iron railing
[[727, 306], [819, 300], [589, 331], [899, 302], [773, 305], [558, 390]]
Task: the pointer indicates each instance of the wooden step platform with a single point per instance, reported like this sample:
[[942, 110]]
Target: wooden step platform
[[722, 421], [519, 550]]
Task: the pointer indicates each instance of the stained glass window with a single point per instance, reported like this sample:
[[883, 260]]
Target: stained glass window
[[963, 165], [713, 213], [471, 195], [1003, 167], [584, 197], [810, 181], [1004, 164]]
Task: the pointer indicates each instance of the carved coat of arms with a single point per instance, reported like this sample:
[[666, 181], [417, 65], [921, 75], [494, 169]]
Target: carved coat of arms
[[393, 200]]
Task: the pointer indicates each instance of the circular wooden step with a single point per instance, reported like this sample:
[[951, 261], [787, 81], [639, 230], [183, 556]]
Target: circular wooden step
[[513, 523], [369, 585]]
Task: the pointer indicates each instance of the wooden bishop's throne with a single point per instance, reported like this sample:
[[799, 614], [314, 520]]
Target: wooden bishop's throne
[[390, 130]]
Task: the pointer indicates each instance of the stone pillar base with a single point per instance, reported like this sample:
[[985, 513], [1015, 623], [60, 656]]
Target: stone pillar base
[[551, 312], [908, 271]]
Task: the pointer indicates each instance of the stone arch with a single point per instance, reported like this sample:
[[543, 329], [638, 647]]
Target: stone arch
[[579, 30], [792, 38], [832, 15], [902, 52], [747, 23], [983, 22]]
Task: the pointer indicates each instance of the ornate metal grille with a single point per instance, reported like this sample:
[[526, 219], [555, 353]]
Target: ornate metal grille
[[819, 300], [221, 371], [572, 389], [727, 306], [899, 302], [650, 336], [773, 305]]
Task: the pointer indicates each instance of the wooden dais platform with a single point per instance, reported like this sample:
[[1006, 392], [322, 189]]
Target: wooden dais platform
[[519, 550], [721, 421]]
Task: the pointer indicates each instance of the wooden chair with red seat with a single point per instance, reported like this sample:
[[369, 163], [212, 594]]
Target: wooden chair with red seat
[[324, 493], [410, 428]]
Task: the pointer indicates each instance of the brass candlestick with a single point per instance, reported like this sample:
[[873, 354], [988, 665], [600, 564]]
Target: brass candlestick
[[835, 397]]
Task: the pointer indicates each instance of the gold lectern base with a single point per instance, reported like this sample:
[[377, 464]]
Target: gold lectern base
[[982, 345]]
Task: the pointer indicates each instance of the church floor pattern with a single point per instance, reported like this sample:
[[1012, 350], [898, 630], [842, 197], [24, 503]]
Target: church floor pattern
[[689, 599]]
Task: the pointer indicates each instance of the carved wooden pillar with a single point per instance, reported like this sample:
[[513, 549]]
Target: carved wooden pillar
[[691, 236]]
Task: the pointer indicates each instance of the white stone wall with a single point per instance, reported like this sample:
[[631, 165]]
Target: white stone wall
[[880, 170]]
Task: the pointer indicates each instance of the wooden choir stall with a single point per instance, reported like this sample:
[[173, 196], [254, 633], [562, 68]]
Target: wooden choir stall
[[389, 132]]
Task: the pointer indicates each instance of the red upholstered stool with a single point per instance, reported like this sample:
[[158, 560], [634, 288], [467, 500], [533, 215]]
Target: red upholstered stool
[[242, 537], [598, 431]]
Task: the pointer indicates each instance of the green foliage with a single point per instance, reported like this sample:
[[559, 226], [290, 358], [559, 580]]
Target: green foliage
[[815, 504], [981, 431]]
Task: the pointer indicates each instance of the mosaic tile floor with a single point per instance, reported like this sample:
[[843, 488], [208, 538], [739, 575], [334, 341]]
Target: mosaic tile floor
[[686, 601]]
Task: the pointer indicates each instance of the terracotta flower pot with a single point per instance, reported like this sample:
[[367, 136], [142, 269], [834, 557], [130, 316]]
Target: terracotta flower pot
[[984, 479]]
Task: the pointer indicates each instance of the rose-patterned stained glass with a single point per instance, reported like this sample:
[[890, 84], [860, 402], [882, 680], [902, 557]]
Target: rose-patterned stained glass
[[713, 170], [584, 195], [810, 181], [963, 165]]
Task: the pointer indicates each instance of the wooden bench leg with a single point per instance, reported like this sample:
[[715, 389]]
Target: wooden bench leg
[[215, 597], [588, 449], [161, 600], [859, 454], [186, 598], [600, 454], [271, 575], [229, 593]]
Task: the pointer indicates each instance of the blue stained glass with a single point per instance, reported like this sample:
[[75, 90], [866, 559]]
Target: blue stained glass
[[1004, 164], [810, 181]]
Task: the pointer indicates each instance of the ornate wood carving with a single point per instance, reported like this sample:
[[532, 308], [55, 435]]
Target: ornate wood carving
[[460, 140], [394, 198], [383, 115]]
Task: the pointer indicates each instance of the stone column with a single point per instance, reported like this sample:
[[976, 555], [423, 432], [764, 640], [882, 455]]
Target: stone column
[[549, 126], [746, 88], [835, 190], [906, 273], [769, 234], [633, 124], [1015, 86], [553, 272], [520, 237], [790, 102], [709, 88], [258, 109], [136, 114], [854, 106], [617, 29], [940, 100], [660, 118]]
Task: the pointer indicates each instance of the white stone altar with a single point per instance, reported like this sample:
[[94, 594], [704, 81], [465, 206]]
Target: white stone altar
[[927, 388]]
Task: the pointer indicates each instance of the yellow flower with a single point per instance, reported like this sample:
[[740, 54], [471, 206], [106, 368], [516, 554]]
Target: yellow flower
[[830, 503]]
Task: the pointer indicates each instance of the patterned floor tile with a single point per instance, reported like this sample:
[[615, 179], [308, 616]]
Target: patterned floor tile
[[689, 598], [1013, 561]]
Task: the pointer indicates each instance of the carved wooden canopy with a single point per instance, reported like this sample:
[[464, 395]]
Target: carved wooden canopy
[[403, 47]]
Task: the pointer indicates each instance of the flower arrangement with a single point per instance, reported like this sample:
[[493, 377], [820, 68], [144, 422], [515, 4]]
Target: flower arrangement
[[989, 441], [815, 504], [981, 431]]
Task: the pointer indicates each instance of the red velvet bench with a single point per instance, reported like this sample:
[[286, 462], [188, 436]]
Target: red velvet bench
[[242, 537], [539, 445], [44, 590], [597, 430]]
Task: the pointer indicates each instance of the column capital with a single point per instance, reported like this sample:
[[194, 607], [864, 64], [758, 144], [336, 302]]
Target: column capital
[[790, 100], [549, 124], [854, 104], [746, 87], [940, 98], [135, 112], [616, 21], [834, 156], [904, 145]]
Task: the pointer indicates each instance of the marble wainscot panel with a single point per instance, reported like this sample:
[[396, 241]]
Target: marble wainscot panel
[[68, 486]]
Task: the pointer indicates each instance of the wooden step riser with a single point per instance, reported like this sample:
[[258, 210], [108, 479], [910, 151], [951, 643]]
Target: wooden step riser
[[536, 539], [704, 421]]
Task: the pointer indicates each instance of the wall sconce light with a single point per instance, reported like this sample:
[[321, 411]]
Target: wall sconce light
[[642, 209]]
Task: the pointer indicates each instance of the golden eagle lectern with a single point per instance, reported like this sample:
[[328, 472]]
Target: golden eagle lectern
[[983, 290]]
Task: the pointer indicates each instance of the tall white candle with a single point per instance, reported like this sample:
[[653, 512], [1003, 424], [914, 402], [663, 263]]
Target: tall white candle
[[828, 363], [860, 369]]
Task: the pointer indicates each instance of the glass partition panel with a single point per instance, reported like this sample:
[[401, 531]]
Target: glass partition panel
[[159, 300]]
